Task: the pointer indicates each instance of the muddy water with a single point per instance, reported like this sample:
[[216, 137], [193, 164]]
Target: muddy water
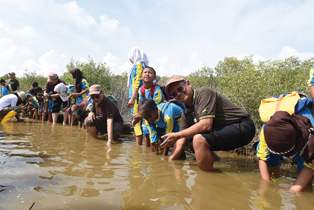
[[56, 167]]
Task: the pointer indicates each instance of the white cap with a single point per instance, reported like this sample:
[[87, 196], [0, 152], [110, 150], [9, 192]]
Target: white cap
[[22, 95]]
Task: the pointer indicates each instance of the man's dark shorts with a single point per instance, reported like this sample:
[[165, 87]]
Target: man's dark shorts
[[56, 105], [230, 137], [101, 126]]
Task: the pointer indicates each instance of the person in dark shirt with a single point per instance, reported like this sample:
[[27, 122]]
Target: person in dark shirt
[[52, 81], [212, 121], [13, 82], [104, 116]]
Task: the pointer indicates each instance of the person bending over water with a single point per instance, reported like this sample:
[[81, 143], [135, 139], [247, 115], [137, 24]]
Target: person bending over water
[[161, 118], [9, 106], [283, 135], [213, 122]]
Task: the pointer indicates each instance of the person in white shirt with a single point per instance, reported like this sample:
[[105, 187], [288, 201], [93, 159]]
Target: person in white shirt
[[9, 106]]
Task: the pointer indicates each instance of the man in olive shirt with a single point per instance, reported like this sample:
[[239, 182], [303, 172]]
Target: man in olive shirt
[[104, 117], [214, 122]]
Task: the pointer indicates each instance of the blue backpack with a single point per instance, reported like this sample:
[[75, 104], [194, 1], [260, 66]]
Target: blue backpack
[[112, 99]]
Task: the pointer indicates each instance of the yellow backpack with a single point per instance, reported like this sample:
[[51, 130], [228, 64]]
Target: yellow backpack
[[283, 103]]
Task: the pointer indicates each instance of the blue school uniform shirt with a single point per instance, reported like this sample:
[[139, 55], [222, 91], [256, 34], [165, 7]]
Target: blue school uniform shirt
[[5, 90], [135, 77], [85, 86], [69, 91], [35, 102], [158, 95], [49, 101], [303, 108], [169, 119]]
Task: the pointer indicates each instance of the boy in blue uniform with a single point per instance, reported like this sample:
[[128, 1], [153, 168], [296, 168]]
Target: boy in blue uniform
[[149, 91], [33, 108], [40, 97], [166, 116], [269, 159], [5, 89]]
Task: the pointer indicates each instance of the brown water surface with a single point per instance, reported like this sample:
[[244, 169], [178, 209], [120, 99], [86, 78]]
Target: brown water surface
[[62, 167]]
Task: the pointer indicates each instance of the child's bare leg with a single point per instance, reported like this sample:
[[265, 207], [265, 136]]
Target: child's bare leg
[[36, 114], [158, 149], [50, 117], [139, 140], [166, 150], [65, 118], [69, 118], [153, 147], [73, 119], [147, 141]]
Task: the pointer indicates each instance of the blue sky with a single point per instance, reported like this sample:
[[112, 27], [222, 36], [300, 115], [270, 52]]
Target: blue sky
[[179, 37]]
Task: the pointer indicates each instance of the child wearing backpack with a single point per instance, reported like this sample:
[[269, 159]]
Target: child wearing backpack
[[281, 135], [166, 116], [149, 90], [5, 89]]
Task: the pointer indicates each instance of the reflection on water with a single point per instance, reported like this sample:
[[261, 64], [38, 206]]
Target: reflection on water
[[64, 168]]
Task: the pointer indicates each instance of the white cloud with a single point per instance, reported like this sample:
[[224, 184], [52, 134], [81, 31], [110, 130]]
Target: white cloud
[[73, 13], [116, 66], [110, 26], [11, 55], [165, 67], [196, 61], [256, 58], [9, 49], [48, 62], [287, 51], [26, 31]]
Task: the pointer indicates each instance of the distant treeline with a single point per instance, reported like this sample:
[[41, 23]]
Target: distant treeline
[[244, 82]]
